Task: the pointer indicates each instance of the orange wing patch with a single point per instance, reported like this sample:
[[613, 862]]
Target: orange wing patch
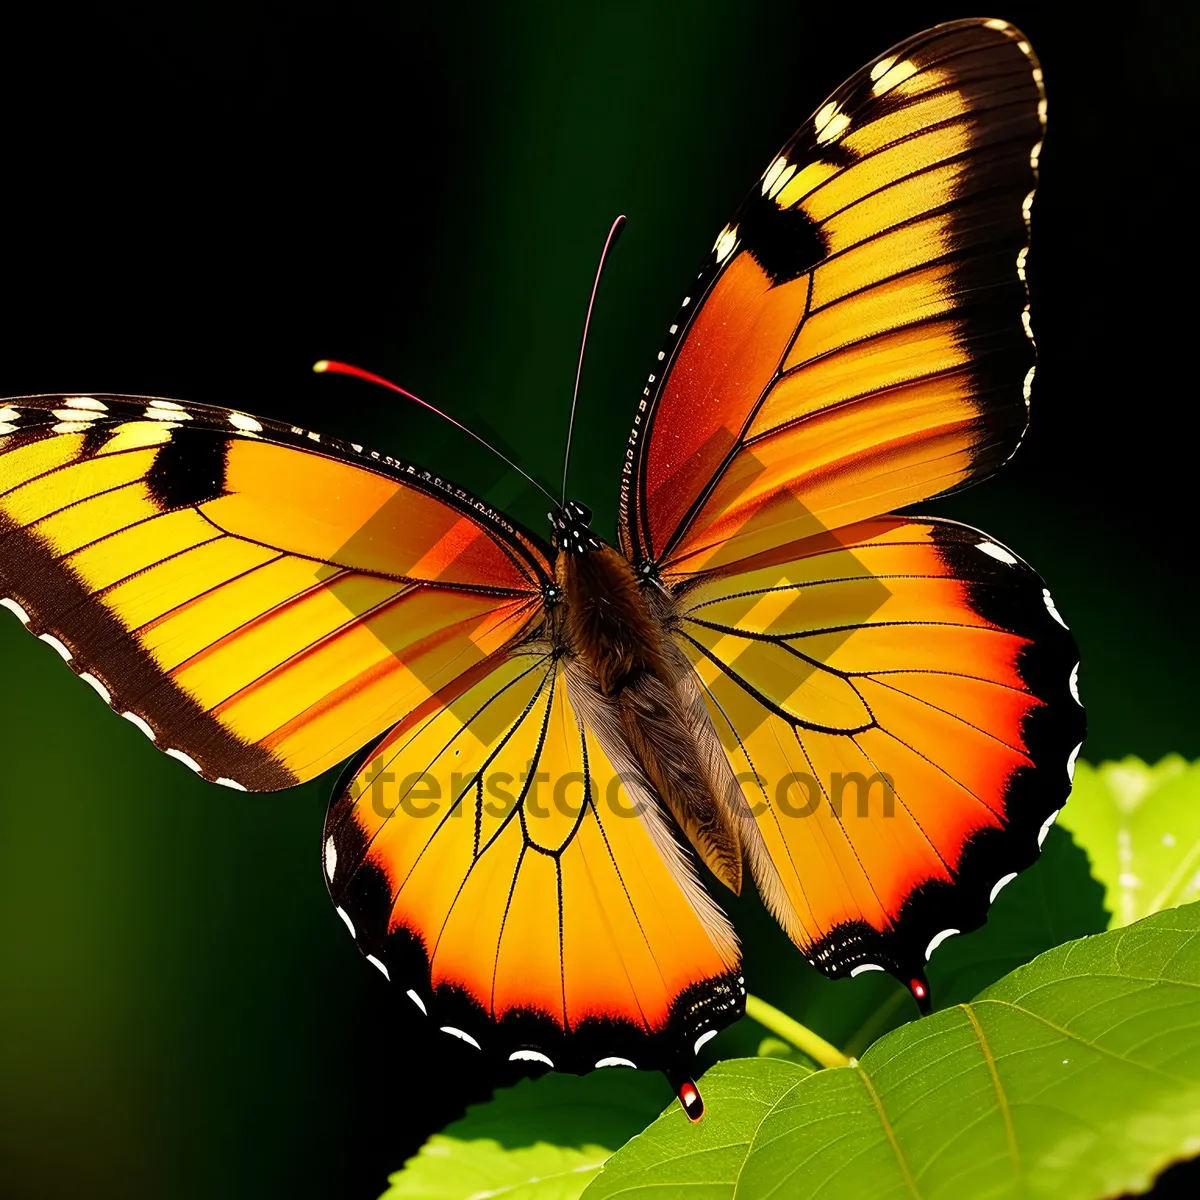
[[254, 601], [490, 859]]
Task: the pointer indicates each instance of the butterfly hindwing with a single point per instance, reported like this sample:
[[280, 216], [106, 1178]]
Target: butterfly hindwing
[[493, 865], [259, 600], [904, 699]]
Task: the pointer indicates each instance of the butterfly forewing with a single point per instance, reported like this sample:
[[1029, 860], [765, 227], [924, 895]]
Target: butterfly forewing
[[258, 600], [858, 338]]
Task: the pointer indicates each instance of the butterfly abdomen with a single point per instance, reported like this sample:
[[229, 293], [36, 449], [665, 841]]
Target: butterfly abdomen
[[622, 643]]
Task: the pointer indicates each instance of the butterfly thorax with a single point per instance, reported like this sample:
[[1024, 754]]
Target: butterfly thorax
[[607, 622]]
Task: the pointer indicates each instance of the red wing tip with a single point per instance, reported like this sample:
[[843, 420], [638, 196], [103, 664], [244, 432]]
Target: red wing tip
[[691, 1100]]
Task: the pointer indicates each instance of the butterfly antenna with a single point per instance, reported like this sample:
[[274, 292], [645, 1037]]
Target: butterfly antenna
[[609, 243], [340, 368]]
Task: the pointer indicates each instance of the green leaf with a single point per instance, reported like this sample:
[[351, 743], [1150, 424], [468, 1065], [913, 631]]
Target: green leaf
[[675, 1158], [1075, 1077], [544, 1139], [1140, 825]]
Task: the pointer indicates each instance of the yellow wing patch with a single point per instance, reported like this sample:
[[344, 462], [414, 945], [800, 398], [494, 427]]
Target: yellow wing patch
[[261, 608]]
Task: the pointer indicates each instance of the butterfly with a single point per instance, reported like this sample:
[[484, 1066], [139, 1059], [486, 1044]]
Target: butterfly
[[770, 675]]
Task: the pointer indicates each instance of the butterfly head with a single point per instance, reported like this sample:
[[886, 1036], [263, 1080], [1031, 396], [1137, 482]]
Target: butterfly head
[[572, 525]]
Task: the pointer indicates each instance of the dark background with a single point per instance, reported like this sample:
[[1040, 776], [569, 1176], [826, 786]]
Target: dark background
[[202, 198]]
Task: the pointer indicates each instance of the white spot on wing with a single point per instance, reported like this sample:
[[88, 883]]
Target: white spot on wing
[[376, 963], [830, 123], [57, 646], [187, 760], [88, 402], [417, 1001], [330, 858], [232, 784], [464, 1037], [937, 940], [97, 687], [1000, 885], [997, 552], [8, 413], [784, 179], [166, 410], [134, 719], [530, 1056], [1073, 684], [863, 968], [703, 1040], [1051, 609], [772, 173], [1071, 762], [244, 423], [995, 23], [882, 67], [14, 608], [615, 1062], [1027, 386], [341, 912], [6, 429], [723, 247], [894, 76], [71, 426], [1045, 829]]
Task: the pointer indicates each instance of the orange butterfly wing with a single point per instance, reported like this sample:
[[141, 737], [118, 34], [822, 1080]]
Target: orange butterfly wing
[[258, 600], [901, 702], [857, 340], [489, 860]]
